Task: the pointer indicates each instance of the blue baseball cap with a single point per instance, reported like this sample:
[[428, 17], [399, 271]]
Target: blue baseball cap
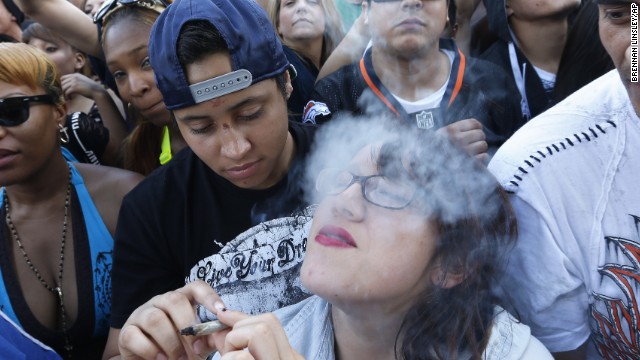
[[255, 49]]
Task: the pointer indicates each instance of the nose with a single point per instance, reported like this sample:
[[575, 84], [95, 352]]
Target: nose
[[138, 84], [350, 204], [301, 7], [411, 4], [234, 145]]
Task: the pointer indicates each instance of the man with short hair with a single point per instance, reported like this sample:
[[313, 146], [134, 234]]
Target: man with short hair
[[222, 72], [423, 81], [531, 37], [574, 276]]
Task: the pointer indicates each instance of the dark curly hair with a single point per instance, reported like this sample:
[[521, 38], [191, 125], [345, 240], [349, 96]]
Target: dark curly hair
[[476, 227]]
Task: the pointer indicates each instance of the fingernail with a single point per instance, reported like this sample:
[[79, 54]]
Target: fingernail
[[161, 356], [219, 306], [198, 346], [182, 357]]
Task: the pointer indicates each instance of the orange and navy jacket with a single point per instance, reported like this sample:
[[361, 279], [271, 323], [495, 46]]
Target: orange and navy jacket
[[476, 89]]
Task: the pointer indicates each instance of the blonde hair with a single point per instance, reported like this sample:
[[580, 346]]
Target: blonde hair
[[333, 28], [22, 64]]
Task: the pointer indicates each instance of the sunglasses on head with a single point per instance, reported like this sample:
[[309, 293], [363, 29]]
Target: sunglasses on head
[[110, 5], [15, 110]]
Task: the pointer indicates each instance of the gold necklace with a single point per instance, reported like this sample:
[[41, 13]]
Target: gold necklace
[[57, 289]]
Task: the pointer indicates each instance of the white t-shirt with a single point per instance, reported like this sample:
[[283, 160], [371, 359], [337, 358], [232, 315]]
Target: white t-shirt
[[432, 101], [573, 173], [548, 79]]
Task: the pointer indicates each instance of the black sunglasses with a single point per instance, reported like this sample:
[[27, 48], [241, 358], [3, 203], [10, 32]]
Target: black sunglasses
[[15, 110], [109, 5]]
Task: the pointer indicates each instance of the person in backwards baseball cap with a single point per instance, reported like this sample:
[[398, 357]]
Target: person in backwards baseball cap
[[222, 72]]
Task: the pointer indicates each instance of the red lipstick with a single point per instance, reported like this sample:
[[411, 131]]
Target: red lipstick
[[334, 236]]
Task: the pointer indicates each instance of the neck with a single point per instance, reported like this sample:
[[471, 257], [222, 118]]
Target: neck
[[288, 153], [45, 185], [359, 335], [309, 48], [15, 32], [177, 141], [411, 79], [542, 42]]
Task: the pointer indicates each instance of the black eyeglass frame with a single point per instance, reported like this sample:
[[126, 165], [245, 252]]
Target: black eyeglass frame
[[362, 180], [110, 5], [23, 104]]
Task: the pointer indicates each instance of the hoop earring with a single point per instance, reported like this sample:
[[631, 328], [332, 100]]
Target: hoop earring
[[64, 135]]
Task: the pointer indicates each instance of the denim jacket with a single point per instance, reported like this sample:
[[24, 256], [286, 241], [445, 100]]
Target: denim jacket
[[310, 331]]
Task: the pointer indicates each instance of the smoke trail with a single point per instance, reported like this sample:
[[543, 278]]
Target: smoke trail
[[453, 183]]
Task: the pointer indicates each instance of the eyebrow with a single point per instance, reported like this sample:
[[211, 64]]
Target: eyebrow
[[242, 103]]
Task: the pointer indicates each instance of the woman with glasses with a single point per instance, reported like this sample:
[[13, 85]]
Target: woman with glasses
[[57, 241], [405, 247], [118, 44]]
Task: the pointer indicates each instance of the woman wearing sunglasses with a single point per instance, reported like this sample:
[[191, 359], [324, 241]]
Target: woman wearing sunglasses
[[56, 246], [405, 247], [120, 41]]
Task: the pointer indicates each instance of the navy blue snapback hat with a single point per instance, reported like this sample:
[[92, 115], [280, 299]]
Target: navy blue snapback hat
[[255, 49]]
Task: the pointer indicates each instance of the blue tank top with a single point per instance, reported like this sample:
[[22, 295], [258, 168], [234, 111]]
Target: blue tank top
[[101, 249]]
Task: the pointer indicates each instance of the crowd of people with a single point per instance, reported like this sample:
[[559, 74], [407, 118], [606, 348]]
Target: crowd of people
[[329, 179]]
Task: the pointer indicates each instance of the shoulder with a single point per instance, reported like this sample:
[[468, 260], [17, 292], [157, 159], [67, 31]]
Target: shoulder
[[107, 180], [337, 78], [511, 339], [585, 125], [303, 135], [171, 178]]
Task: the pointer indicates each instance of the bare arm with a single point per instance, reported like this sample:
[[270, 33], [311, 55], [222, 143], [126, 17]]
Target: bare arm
[[78, 84], [65, 19], [152, 329], [349, 50], [111, 350]]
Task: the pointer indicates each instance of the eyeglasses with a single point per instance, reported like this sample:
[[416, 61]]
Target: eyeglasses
[[15, 110], [108, 6], [376, 189]]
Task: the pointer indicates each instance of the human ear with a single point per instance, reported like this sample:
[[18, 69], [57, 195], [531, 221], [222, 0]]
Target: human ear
[[508, 8], [80, 61], [287, 84], [446, 279], [60, 112], [365, 12]]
